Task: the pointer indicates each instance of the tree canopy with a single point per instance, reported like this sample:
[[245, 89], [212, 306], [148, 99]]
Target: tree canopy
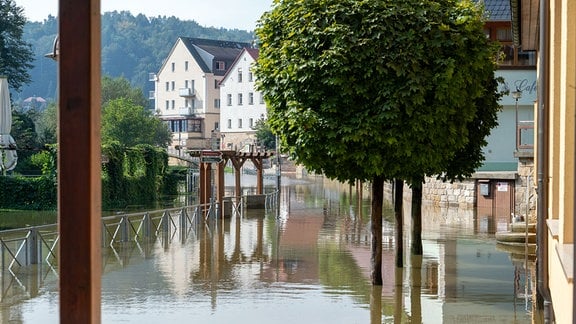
[[264, 135], [128, 124], [120, 87], [16, 55], [380, 88]]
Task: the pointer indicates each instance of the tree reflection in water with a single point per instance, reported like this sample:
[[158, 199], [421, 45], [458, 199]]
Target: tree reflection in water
[[307, 261]]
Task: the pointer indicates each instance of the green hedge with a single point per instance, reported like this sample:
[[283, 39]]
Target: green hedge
[[37, 193], [135, 176]]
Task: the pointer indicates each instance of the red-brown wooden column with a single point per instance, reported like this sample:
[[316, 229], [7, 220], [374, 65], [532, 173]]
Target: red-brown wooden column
[[220, 184], [259, 176], [79, 161], [205, 183]]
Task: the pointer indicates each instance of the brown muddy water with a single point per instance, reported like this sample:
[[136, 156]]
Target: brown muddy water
[[306, 261]]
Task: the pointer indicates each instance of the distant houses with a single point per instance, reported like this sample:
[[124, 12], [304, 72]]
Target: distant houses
[[242, 105], [187, 90]]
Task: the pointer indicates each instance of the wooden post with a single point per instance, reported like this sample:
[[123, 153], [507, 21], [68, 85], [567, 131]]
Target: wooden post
[[237, 162], [220, 184], [259, 176], [79, 161]]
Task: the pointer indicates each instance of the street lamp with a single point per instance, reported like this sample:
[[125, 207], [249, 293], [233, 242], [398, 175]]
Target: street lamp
[[516, 95], [55, 50]]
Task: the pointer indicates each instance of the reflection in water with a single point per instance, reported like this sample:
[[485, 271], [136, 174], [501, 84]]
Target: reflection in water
[[306, 262]]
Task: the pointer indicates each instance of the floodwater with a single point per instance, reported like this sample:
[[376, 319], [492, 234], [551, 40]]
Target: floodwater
[[306, 261]]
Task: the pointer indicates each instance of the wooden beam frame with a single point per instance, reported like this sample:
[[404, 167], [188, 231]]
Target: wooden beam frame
[[79, 162]]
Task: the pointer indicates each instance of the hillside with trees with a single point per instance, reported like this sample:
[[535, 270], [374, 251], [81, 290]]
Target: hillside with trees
[[132, 47]]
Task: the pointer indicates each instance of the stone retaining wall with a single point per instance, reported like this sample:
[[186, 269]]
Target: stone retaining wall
[[442, 194]]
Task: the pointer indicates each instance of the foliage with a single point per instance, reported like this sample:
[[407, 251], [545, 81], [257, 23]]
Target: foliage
[[129, 125], [16, 55], [382, 88], [379, 90], [133, 176], [120, 87], [132, 47], [264, 135], [46, 125], [24, 133], [46, 161], [35, 193]]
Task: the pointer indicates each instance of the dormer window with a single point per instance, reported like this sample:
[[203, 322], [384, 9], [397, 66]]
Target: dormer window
[[220, 65]]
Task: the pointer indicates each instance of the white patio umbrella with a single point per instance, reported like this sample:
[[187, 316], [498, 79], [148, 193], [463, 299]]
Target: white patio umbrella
[[8, 157]]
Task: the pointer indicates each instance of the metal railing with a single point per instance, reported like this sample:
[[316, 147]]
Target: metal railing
[[39, 244]]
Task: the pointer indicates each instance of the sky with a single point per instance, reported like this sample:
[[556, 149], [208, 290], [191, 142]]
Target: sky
[[231, 14]]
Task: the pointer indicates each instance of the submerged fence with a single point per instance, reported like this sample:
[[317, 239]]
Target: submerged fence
[[38, 245]]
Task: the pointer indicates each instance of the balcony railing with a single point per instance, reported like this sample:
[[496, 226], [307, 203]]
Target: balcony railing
[[186, 92], [188, 111]]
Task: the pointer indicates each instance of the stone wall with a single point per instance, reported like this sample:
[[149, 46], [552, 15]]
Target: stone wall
[[525, 191], [442, 194]]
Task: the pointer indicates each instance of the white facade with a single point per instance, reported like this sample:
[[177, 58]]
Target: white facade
[[241, 104], [187, 90]]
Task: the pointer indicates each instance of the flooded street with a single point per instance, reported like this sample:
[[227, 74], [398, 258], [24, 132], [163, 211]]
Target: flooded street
[[306, 261]]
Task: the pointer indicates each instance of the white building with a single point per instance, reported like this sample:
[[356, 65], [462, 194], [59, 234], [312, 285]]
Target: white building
[[187, 94], [242, 104]]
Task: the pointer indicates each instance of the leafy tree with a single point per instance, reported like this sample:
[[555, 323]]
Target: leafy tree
[[15, 54], [128, 124], [378, 90], [120, 87], [24, 133], [46, 125], [264, 135]]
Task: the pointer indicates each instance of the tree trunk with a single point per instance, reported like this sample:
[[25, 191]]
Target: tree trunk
[[417, 218], [376, 230], [399, 216]]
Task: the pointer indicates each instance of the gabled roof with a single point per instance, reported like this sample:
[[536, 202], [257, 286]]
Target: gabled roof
[[498, 10], [253, 52], [208, 51]]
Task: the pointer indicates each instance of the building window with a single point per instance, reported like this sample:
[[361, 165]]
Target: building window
[[229, 123], [239, 75], [167, 85], [250, 98], [185, 83], [250, 76], [509, 54], [216, 103], [173, 86], [216, 126], [186, 66], [173, 104], [192, 86], [216, 84], [167, 104], [251, 122], [239, 99], [240, 123], [261, 99], [220, 65], [229, 99], [195, 125], [173, 66]]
